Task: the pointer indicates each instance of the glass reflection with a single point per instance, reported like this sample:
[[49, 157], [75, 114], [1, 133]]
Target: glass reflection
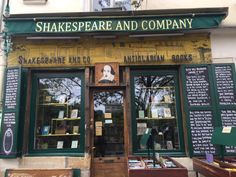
[[58, 113], [156, 111], [109, 124]]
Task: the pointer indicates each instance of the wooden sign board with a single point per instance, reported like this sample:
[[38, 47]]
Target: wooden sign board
[[107, 74], [39, 172]]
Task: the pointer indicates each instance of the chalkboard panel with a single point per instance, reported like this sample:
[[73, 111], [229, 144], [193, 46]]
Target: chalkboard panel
[[197, 86], [12, 76], [9, 128], [225, 84], [228, 118], [201, 131]]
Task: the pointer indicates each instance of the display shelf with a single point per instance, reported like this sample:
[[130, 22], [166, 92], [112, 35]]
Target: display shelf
[[213, 169], [163, 118], [144, 167], [53, 135], [163, 87], [53, 104], [65, 119]]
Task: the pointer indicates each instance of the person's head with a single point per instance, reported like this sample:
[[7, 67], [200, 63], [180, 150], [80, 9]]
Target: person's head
[[107, 71]]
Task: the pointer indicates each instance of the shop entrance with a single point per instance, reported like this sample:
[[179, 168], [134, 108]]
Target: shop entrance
[[108, 154]]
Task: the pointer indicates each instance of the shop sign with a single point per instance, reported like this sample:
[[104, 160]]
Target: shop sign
[[113, 24], [10, 117], [160, 51], [106, 74]]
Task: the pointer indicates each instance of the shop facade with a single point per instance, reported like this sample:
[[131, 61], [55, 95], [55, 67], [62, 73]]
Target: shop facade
[[87, 92]]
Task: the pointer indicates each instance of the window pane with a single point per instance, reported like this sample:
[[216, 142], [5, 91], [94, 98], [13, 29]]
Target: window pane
[[156, 112], [58, 113], [109, 124]]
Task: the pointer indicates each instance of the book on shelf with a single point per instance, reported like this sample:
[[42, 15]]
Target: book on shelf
[[60, 144], [75, 129], [169, 145], [62, 99], [74, 113], [141, 114], [74, 144], [141, 128], [48, 99], [167, 98], [154, 112], [167, 112], [45, 130], [61, 114]]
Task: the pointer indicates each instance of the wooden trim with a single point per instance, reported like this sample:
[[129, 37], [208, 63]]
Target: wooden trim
[[87, 108], [128, 127], [27, 113]]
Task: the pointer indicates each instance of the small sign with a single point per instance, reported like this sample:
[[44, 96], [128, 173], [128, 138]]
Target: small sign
[[109, 121], [74, 144], [98, 124], [226, 129], [98, 131], [107, 115], [106, 74]]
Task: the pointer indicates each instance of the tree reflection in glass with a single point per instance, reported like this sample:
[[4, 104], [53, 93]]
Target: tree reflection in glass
[[156, 110], [58, 98]]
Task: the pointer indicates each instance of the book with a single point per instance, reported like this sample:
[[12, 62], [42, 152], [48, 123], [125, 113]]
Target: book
[[167, 112], [169, 145], [45, 130], [48, 99], [75, 129], [107, 115], [60, 144], [74, 113], [61, 114], [167, 98], [141, 128], [141, 114], [154, 113], [74, 144]]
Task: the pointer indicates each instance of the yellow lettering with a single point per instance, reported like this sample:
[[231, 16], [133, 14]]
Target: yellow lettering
[[190, 22], [54, 27], [182, 23], [144, 25], [134, 25], [168, 23], [151, 25], [102, 25], [60, 27], [94, 26], [119, 26], [74, 26], [81, 25], [109, 25], [68, 26], [126, 25], [46, 27], [175, 25], [39, 27], [87, 26], [160, 25]]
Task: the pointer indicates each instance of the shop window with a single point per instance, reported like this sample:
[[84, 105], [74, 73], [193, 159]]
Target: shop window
[[156, 112], [57, 116]]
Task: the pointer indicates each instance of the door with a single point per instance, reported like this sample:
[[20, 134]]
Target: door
[[108, 155]]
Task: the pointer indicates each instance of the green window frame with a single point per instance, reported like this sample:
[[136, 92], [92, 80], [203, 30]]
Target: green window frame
[[140, 141], [64, 123]]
